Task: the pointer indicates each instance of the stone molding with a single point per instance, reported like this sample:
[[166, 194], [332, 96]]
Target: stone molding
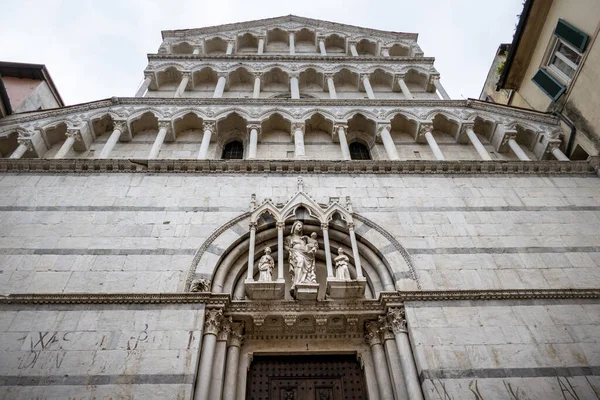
[[390, 299], [477, 167], [379, 110], [292, 57]]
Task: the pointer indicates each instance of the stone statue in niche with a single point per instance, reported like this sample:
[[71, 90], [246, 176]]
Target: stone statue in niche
[[265, 266], [302, 252], [341, 266]]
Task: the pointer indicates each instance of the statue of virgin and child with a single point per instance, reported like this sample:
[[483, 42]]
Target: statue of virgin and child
[[302, 253]]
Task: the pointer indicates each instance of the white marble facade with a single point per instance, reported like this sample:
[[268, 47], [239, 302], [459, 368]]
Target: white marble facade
[[294, 186]]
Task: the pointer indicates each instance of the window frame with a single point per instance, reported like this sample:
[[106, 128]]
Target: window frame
[[553, 69]]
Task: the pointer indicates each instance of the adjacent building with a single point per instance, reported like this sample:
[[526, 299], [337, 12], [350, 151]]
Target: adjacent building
[[553, 66], [291, 208]]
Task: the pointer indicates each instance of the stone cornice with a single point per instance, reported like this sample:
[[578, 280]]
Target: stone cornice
[[264, 23], [387, 299], [297, 166], [158, 102], [291, 57]]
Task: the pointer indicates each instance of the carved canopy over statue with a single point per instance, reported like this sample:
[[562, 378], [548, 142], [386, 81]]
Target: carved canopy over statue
[[302, 252]]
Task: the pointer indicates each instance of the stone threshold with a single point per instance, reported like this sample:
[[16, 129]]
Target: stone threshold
[[300, 166], [223, 299]]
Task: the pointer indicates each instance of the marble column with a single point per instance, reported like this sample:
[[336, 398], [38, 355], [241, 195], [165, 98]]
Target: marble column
[[251, 250], [261, 46], [253, 144], [397, 320], [140, 92], [294, 88], [391, 352], [217, 376], [280, 260], [426, 132], [555, 150], [182, 85], [367, 84], [357, 264], [322, 47], [325, 228], [25, 145], [233, 358], [388, 142], [353, 50], [118, 129], [383, 376], [341, 131], [292, 43], [229, 50], [220, 88], [212, 324], [514, 146], [331, 86], [385, 52], [72, 135], [163, 126], [477, 143], [298, 132], [256, 91], [209, 128], [405, 91]]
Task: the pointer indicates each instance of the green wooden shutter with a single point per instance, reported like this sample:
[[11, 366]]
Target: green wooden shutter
[[571, 35], [548, 84]]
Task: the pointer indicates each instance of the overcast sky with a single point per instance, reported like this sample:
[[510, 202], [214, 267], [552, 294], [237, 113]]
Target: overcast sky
[[96, 49]]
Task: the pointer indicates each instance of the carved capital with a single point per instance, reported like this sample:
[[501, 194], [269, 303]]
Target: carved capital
[[253, 225], [258, 75], [329, 75], [212, 321], [425, 127], [399, 77], [120, 125], [553, 144], [74, 133], [25, 141], [466, 126], [364, 76], [254, 126], [386, 328], [294, 75], [372, 333], [381, 127], [396, 318], [222, 74], [350, 226], [507, 136], [336, 127], [200, 285], [324, 227], [209, 126], [280, 225], [236, 336], [225, 330], [297, 126], [164, 125]]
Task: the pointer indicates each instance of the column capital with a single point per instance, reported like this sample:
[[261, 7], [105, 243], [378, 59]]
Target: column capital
[[164, 125], [396, 318], [329, 75], [294, 74], [25, 141], [507, 136], [120, 125], [222, 75], [352, 42], [231, 41], [399, 77], [225, 329], [382, 126], [236, 336], [280, 224], [258, 75], [372, 333], [297, 126], [74, 133], [466, 126], [253, 225], [253, 125], [212, 321], [340, 125], [425, 127], [365, 76], [386, 328], [350, 226], [553, 144], [209, 126], [325, 226]]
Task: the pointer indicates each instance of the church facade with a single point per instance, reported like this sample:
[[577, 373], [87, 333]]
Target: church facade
[[292, 208]]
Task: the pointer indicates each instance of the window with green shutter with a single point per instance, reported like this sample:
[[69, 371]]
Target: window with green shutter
[[571, 35], [548, 84]]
